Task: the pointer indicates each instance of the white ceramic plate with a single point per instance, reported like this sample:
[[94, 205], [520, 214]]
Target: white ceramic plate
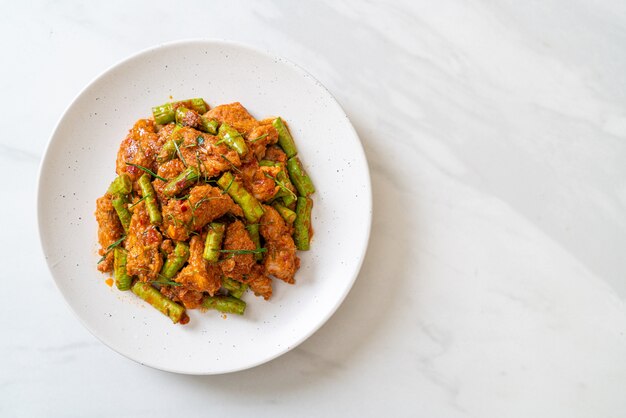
[[79, 164]]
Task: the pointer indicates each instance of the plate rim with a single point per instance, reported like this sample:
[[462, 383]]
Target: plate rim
[[45, 161]]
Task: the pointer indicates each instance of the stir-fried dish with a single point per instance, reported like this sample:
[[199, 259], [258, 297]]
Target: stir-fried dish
[[207, 203]]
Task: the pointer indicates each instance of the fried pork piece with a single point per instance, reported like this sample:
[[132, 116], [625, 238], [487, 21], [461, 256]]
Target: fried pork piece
[[205, 203], [268, 136], [205, 153], [276, 153], [233, 265], [259, 180], [167, 247], [281, 260], [191, 299], [168, 170], [143, 241], [259, 282], [140, 147], [199, 274], [165, 132], [236, 210], [235, 115], [109, 230]]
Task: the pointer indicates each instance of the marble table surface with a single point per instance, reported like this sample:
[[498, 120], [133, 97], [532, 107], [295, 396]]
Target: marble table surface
[[494, 284]]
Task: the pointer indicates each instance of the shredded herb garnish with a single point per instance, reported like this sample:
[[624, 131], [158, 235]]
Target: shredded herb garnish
[[199, 166], [201, 201], [179, 154], [165, 282], [137, 202], [147, 170], [232, 179], [185, 197], [175, 221], [116, 243], [200, 140], [257, 138], [231, 163], [111, 247], [281, 185]]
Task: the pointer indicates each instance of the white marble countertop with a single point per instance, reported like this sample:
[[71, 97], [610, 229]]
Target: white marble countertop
[[494, 283]]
